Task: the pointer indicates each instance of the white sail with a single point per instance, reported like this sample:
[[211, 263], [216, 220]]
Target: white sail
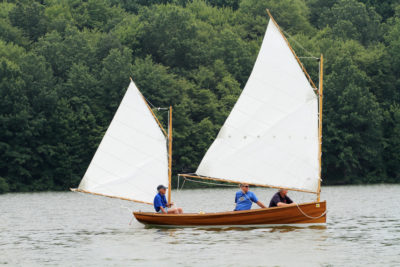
[[131, 160], [271, 135]]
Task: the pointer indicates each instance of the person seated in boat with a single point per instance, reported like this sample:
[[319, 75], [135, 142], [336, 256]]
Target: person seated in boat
[[244, 199], [160, 202], [281, 199]]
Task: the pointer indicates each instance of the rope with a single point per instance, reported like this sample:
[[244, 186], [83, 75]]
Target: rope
[[131, 212], [309, 58], [149, 102], [108, 204], [308, 52], [130, 222], [202, 182], [183, 184], [308, 216]]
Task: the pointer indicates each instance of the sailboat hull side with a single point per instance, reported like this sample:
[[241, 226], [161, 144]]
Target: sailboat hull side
[[307, 213]]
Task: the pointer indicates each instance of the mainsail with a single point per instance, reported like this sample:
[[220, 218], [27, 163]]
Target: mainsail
[[132, 158], [271, 135]]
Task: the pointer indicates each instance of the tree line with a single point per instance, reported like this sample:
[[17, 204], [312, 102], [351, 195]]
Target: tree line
[[65, 65]]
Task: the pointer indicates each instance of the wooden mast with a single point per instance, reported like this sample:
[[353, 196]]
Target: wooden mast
[[320, 94], [169, 153], [294, 54]]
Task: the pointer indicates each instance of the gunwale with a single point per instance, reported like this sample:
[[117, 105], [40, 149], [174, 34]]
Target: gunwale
[[266, 216]]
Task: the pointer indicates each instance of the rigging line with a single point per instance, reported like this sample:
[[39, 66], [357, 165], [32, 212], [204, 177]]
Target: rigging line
[[124, 207], [202, 182], [309, 58], [183, 184], [130, 222], [311, 217], [294, 40], [151, 104], [148, 101]]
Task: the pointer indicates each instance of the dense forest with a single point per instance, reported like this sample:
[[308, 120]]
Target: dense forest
[[65, 65]]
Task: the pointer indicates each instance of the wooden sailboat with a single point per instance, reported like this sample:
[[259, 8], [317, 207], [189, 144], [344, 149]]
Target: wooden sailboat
[[272, 138], [305, 213]]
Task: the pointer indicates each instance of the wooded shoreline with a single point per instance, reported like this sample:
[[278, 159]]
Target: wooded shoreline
[[65, 65]]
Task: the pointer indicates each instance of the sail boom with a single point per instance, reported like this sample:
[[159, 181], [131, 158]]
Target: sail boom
[[242, 182], [104, 195]]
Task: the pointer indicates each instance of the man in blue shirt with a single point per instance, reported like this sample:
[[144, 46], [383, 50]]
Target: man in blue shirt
[[160, 202], [244, 198]]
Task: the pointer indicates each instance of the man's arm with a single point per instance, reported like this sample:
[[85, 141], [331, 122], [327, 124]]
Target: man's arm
[[259, 203], [281, 204], [254, 198], [170, 204], [163, 210]]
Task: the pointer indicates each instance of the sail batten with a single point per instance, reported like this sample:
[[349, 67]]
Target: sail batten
[[271, 135], [131, 159]]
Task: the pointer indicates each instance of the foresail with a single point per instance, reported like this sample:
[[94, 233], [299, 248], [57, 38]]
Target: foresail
[[131, 160], [271, 135]]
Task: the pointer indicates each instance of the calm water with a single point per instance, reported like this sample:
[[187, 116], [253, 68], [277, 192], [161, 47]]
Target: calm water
[[74, 229]]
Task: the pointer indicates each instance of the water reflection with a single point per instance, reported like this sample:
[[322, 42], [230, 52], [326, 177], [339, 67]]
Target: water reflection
[[272, 228]]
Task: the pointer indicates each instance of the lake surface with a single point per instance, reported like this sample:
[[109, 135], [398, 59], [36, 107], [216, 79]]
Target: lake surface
[[75, 229]]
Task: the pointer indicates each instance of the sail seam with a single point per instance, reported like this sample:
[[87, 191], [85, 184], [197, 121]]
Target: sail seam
[[271, 125]]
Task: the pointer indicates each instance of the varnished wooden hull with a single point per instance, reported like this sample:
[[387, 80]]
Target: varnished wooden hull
[[306, 213]]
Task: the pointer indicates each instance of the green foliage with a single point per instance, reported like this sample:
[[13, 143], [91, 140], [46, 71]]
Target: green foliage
[[392, 145], [29, 17], [65, 65], [3, 186], [350, 19]]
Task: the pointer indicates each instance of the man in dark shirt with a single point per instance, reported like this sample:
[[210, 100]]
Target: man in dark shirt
[[280, 199]]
